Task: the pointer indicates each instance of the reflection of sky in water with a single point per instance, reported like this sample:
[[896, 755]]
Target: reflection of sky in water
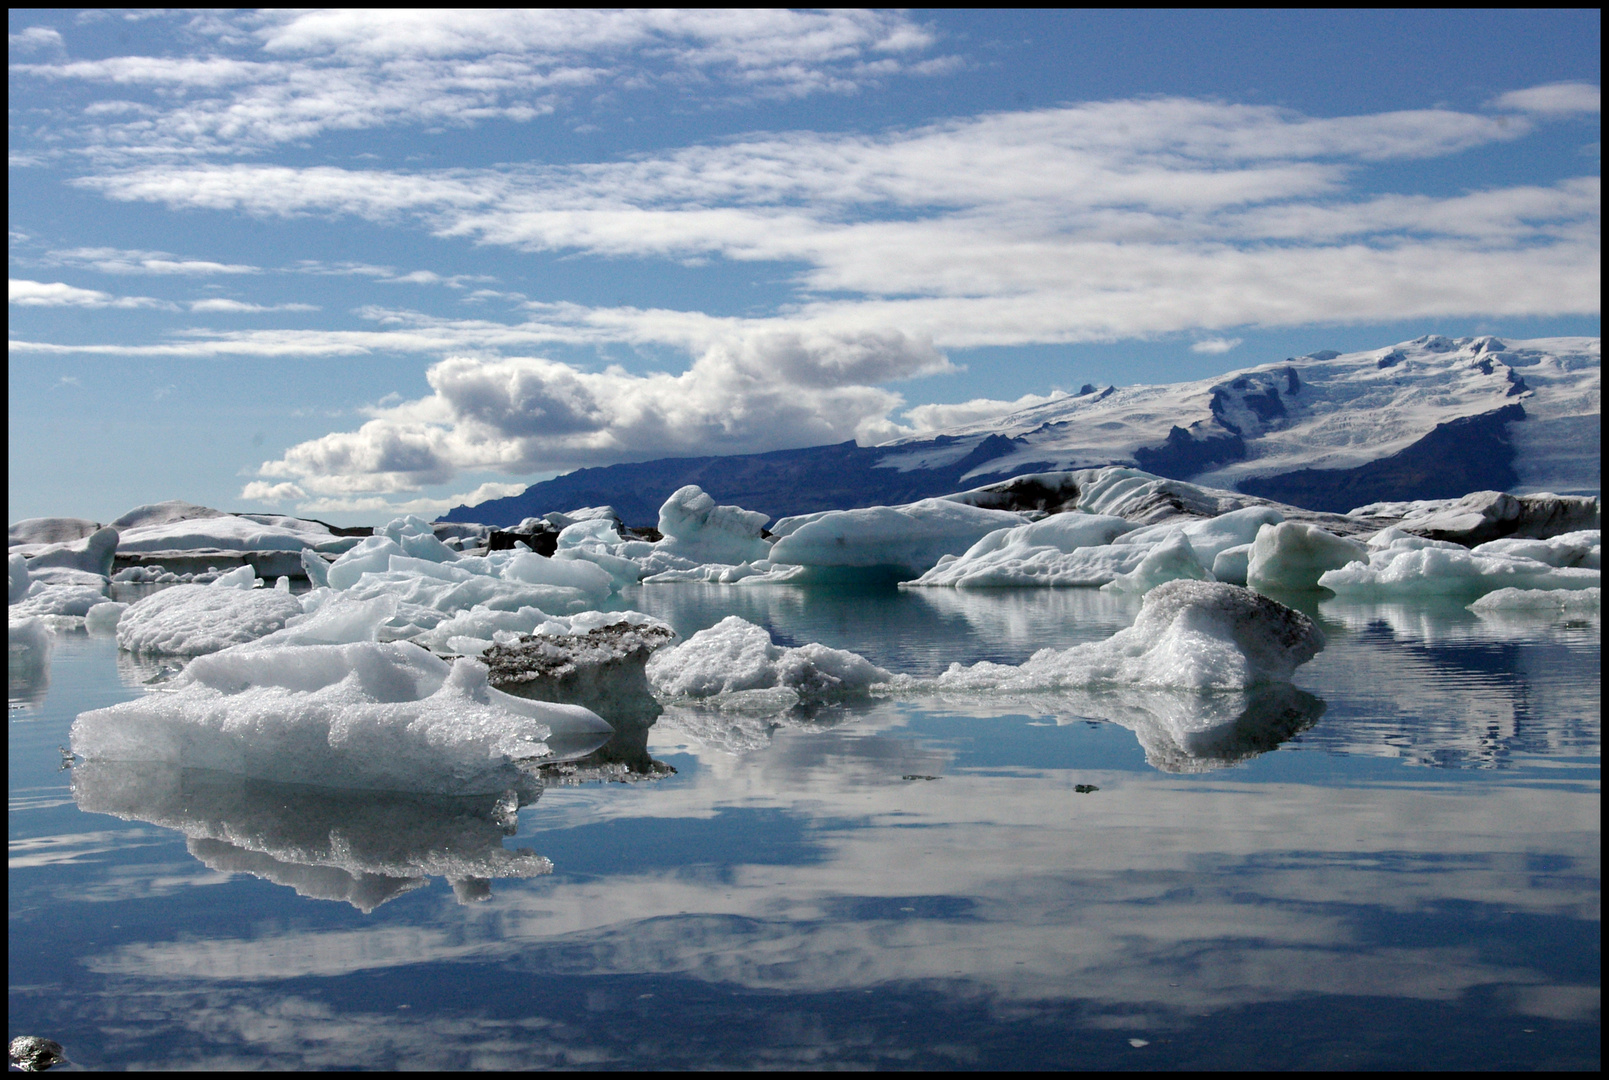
[[1257, 882]]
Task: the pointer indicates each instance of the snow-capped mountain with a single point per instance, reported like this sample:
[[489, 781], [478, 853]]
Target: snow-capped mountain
[[1435, 417]]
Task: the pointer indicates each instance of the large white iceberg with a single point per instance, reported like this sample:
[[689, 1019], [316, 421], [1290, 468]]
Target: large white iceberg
[[1193, 635], [366, 715], [736, 659], [906, 539]]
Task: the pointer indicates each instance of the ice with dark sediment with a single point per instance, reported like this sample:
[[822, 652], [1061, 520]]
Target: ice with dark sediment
[[371, 715]]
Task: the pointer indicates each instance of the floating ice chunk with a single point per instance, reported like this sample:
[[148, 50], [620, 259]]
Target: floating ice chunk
[[94, 553], [1037, 554], [909, 539], [1569, 549], [1194, 635], [1170, 560], [188, 620], [17, 565], [104, 617], [694, 528], [1231, 564], [1451, 570], [595, 658], [316, 568], [588, 579], [1553, 601], [371, 555], [735, 656], [241, 577], [386, 717], [761, 570], [1292, 555], [363, 848], [45, 599], [1209, 536], [335, 619]]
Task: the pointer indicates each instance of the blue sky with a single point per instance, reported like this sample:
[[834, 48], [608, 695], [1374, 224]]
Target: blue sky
[[347, 265]]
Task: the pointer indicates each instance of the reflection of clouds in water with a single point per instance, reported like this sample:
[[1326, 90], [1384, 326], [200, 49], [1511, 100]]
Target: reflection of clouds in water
[[361, 847], [1239, 893]]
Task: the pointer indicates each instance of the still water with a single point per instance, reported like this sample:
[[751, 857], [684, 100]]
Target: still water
[[1394, 864]]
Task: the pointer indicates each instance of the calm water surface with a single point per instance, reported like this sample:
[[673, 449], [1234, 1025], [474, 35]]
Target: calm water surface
[[1393, 864]]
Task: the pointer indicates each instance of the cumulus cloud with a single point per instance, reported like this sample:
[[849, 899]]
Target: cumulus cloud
[[527, 414], [257, 491], [1214, 346]]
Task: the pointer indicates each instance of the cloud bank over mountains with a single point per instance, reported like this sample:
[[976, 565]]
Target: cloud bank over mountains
[[1092, 221]]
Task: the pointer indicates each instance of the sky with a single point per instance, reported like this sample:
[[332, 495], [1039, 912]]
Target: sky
[[349, 265]]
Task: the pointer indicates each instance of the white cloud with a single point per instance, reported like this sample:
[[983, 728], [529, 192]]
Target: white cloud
[[1554, 99], [1215, 346], [290, 76], [257, 491], [927, 418], [122, 261], [33, 39], [525, 414], [223, 306], [26, 293]]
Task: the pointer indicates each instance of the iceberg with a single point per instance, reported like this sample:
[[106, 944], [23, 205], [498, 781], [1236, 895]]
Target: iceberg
[[65, 600], [388, 717], [1413, 566], [104, 617], [908, 539], [17, 567], [1172, 559], [31, 533], [696, 529], [1565, 602], [1067, 549], [737, 661], [94, 553], [1192, 635], [189, 620], [1293, 555]]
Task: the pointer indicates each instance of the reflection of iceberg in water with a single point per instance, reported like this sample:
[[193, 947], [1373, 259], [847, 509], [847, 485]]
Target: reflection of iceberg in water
[[329, 844], [1180, 730], [29, 643]]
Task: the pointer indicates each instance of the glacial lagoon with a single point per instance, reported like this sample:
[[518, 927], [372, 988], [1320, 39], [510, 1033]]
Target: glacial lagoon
[[1395, 863]]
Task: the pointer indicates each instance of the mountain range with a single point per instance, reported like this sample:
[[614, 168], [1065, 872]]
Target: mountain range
[[1431, 418]]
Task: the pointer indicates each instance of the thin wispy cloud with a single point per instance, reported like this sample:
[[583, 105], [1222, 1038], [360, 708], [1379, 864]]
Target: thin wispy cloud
[[277, 77], [1214, 346]]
